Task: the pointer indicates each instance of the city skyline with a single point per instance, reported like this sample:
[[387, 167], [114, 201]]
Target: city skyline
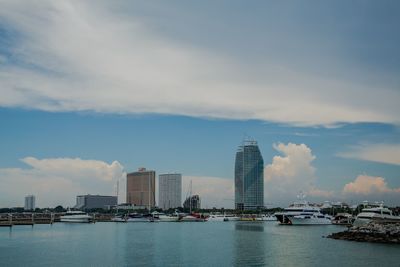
[[91, 92]]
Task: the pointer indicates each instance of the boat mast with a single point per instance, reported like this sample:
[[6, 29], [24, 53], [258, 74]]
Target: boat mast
[[190, 197]]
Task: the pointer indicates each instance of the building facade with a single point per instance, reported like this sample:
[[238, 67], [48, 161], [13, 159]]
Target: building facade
[[30, 202], [192, 202], [85, 202], [170, 191], [140, 188], [249, 177]]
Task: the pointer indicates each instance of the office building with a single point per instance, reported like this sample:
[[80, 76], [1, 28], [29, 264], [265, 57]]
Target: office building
[[193, 202], [170, 191], [86, 202], [30, 202], [140, 188], [249, 177]]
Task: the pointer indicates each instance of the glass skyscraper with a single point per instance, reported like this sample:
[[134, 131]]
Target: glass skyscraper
[[249, 177]]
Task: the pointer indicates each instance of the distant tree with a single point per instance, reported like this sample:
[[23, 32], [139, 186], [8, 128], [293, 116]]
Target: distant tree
[[59, 208]]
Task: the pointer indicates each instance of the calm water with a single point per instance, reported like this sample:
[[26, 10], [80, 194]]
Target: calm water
[[186, 244]]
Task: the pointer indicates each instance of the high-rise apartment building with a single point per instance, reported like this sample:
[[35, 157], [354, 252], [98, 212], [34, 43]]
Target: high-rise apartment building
[[249, 177], [140, 188], [169, 191], [30, 202]]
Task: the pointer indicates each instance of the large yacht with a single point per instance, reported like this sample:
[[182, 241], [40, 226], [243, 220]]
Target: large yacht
[[379, 213], [76, 216], [302, 213]]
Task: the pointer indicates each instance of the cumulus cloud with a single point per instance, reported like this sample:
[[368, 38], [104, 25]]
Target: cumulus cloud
[[368, 185], [214, 191], [76, 55], [57, 181], [383, 153], [291, 173]]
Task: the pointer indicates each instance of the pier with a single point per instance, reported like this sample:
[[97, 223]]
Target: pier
[[9, 220]]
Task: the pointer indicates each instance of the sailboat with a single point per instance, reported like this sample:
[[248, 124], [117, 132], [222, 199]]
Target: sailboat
[[193, 217]]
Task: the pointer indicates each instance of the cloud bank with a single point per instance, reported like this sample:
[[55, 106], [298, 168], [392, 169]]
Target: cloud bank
[[291, 173], [57, 181], [383, 153], [77, 56], [368, 185], [371, 188]]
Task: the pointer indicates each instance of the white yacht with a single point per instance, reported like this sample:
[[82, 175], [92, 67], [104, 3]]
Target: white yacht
[[162, 217], [76, 216], [267, 218], [380, 213], [216, 218], [302, 213], [231, 217], [135, 217], [119, 218], [223, 218]]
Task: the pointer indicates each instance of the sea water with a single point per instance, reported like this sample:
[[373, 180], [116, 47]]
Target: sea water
[[187, 244]]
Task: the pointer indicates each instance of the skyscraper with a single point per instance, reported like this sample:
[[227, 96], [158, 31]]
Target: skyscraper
[[170, 191], [30, 202], [249, 177], [140, 187]]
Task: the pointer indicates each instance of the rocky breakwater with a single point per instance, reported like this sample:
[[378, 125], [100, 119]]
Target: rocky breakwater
[[372, 232]]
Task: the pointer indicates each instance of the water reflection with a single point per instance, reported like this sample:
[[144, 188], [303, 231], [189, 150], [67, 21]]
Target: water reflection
[[249, 244], [255, 227]]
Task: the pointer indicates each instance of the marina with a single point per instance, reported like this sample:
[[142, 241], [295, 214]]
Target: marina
[[186, 244]]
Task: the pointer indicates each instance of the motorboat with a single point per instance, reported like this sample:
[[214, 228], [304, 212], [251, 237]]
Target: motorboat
[[302, 213], [266, 217], [194, 217], [380, 213], [216, 218], [223, 218], [162, 217], [231, 217], [76, 216], [119, 218], [136, 217]]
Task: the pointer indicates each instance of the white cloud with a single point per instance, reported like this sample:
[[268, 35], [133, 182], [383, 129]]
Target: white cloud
[[369, 185], [213, 191], [384, 153], [58, 181], [291, 173], [75, 56]]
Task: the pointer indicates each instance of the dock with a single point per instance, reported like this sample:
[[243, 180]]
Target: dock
[[9, 220]]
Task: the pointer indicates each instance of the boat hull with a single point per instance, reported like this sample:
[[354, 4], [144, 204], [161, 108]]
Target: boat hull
[[168, 219], [76, 220], [309, 221]]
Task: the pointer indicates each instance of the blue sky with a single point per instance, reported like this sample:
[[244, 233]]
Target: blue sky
[[177, 86]]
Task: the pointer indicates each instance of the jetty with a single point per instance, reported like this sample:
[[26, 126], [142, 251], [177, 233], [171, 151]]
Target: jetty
[[9, 220], [376, 232]]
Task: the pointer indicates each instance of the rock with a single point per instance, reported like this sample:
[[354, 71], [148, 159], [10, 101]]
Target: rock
[[372, 232]]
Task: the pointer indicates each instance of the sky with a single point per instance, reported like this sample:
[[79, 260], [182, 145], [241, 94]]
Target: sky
[[91, 90]]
